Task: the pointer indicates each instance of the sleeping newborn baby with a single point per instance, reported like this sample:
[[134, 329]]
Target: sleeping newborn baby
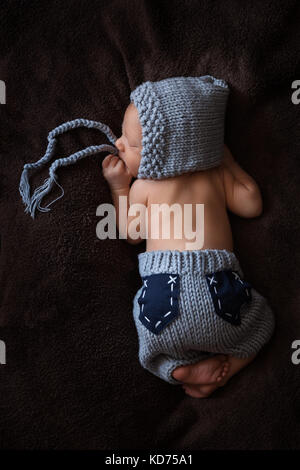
[[198, 321]]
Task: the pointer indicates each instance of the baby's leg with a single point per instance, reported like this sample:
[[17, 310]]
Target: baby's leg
[[198, 389]]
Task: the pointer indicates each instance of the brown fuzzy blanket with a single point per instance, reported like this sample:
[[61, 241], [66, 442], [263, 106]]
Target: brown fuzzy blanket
[[72, 379]]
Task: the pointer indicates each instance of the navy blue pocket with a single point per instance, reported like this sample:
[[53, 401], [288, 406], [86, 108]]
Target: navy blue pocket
[[229, 292], [159, 300]]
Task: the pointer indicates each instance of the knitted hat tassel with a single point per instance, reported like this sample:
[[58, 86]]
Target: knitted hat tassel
[[32, 203]]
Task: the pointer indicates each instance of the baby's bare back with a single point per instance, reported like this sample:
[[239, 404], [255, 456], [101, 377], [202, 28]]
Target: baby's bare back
[[205, 187]]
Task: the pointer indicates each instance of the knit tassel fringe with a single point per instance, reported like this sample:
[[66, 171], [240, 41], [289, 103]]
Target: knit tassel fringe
[[33, 202]]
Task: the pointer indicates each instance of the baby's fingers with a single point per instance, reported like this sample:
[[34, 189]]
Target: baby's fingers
[[108, 160], [120, 163]]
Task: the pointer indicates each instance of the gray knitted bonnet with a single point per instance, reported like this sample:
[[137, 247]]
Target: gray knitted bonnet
[[182, 121]]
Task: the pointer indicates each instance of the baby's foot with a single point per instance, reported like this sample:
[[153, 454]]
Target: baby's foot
[[235, 364], [199, 391], [205, 372]]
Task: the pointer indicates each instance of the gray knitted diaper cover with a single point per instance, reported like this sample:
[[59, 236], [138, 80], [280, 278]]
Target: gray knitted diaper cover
[[193, 305]]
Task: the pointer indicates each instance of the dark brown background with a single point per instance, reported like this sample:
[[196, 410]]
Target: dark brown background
[[72, 378]]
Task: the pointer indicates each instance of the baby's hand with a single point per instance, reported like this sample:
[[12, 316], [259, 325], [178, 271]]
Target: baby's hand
[[115, 172]]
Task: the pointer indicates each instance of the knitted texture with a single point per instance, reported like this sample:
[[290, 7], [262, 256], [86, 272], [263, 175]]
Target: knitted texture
[[182, 121], [198, 332]]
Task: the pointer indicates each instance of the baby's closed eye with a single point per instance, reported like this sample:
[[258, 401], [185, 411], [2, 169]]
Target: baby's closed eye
[[131, 144]]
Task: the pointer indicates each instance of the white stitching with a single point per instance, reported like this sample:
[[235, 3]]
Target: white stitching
[[171, 281], [212, 279], [237, 277]]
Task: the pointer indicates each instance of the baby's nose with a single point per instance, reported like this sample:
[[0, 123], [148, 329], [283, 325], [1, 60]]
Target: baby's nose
[[119, 144]]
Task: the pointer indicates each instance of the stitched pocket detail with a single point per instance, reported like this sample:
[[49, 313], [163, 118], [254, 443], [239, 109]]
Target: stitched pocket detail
[[159, 300], [229, 292]]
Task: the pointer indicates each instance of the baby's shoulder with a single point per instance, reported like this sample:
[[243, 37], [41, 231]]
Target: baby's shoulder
[[140, 189], [215, 174], [210, 174], [149, 184], [210, 179]]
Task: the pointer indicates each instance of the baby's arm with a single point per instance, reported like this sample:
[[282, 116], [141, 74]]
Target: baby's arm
[[118, 178], [242, 193], [135, 195]]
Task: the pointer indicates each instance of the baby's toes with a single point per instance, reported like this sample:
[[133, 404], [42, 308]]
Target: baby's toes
[[223, 372]]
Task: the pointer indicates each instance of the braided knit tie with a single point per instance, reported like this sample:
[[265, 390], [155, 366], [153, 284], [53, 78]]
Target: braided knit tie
[[33, 202]]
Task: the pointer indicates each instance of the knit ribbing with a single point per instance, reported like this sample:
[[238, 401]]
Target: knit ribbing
[[187, 261]]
